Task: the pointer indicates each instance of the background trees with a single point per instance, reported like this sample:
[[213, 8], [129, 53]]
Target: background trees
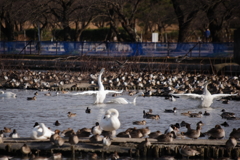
[[126, 20]]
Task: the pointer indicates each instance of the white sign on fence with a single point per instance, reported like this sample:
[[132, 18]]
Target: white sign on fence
[[154, 37]]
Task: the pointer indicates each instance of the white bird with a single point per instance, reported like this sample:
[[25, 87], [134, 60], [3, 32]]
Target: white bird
[[7, 94], [110, 121], [101, 93], [41, 132], [206, 98], [121, 100]]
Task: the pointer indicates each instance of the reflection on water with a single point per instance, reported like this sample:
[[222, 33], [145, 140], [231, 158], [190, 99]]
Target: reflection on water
[[21, 114]]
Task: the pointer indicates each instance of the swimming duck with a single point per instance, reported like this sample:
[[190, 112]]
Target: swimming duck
[[186, 113], [143, 122], [206, 99], [154, 134], [216, 133], [32, 98], [196, 115], [227, 114], [183, 124], [101, 93], [70, 114], [88, 110], [174, 110], [47, 94], [231, 143], [168, 137], [14, 134], [225, 124], [206, 113], [96, 129], [110, 120], [57, 123], [186, 151]]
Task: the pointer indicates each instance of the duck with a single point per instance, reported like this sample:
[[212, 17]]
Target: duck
[[57, 123], [54, 136], [231, 143], [96, 138], [154, 134], [124, 134], [174, 110], [96, 129], [41, 132], [196, 115], [47, 94], [145, 143], [2, 133], [215, 133], [227, 114], [32, 98], [5, 157], [225, 124], [235, 133], [14, 134], [143, 122], [186, 113], [7, 94], [110, 121], [168, 137], [25, 149], [145, 131], [186, 151], [100, 95], [67, 132], [114, 156], [206, 113], [36, 93], [183, 124], [73, 139], [70, 114], [56, 156], [84, 132], [106, 142], [206, 99], [192, 133], [171, 128], [7, 130], [88, 110], [134, 132]]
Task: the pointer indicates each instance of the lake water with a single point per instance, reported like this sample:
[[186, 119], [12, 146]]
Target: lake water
[[20, 114]]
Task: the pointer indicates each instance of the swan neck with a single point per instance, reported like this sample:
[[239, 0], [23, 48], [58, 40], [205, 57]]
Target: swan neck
[[100, 85], [205, 91]]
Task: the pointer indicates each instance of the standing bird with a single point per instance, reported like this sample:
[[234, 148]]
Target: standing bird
[[145, 143], [73, 139], [216, 133], [14, 134], [25, 149], [110, 121], [192, 133], [106, 142], [231, 143], [96, 129]]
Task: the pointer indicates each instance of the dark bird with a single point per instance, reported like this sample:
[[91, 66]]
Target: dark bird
[[88, 110], [57, 123]]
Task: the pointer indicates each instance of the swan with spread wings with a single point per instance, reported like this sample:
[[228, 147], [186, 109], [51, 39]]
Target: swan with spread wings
[[206, 99], [101, 93]]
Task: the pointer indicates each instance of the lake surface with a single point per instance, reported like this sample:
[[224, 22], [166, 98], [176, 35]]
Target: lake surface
[[20, 114]]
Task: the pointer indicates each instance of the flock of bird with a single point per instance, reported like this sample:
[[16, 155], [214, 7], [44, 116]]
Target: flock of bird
[[172, 86]]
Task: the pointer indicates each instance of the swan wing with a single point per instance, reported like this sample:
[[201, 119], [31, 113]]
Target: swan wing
[[110, 91], [189, 95], [222, 95], [119, 100], [86, 93]]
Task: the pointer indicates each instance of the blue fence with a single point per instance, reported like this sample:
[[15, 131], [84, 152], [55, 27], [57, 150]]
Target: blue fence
[[117, 49]]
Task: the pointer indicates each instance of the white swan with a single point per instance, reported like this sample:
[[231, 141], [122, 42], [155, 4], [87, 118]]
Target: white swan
[[41, 132], [121, 100], [101, 93], [110, 121], [206, 98], [7, 94]]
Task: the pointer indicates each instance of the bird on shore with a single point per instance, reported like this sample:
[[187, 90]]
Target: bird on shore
[[192, 133], [235, 133], [231, 143], [101, 93], [168, 137], [106, 142], [206, 99], [154, 134], [73, 139], [7, 130], [186, 151], [145, 143], [215, 133], [96, 129], [25, 149], [14, 134]]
